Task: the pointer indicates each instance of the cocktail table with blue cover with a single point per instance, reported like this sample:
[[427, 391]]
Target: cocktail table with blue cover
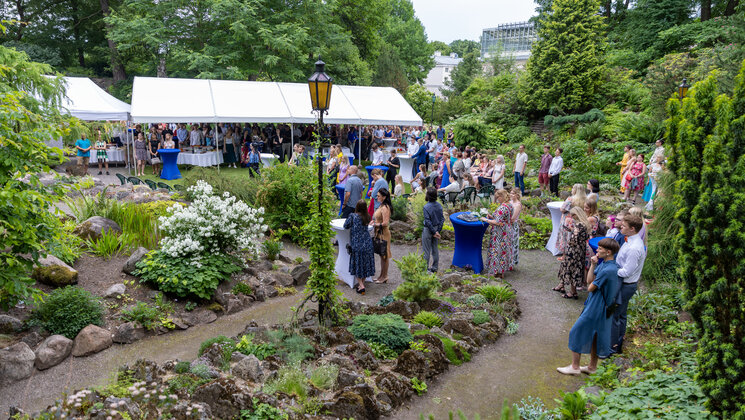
[[468, 238], [340, 193], [170, 168], [369, 172]]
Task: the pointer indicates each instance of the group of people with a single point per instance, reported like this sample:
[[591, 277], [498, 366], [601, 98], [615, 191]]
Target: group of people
[[634, 171], [610, 275]]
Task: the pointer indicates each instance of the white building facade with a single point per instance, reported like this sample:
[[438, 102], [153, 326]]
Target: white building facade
[[440, 73]]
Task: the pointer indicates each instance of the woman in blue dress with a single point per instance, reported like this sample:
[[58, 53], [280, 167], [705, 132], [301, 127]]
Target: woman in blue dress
[[446, 169], [361, 256], [591, 333]]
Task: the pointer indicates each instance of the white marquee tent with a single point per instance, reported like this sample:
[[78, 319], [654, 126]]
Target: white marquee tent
[[85, 100], [167, 100]]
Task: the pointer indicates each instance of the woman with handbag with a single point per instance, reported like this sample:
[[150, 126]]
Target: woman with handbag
[[154, 145], [361, 256], [591, 332], [382, 238]]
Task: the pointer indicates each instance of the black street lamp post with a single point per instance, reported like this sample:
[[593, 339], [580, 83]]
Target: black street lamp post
[[683, 89], [432, 115], [320, 85]]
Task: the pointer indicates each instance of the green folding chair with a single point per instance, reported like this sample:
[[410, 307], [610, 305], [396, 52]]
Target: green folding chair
[[164, 185], [486, 193], [469, 195], [134, 180], [179, 187], [150, 183], [122, 178]]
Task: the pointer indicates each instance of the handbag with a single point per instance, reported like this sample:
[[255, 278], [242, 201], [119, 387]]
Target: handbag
[[380, 245], [154, 161]]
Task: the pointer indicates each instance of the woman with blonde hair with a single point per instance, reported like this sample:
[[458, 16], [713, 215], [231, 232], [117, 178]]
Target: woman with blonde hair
[[497, 179], [517, 207], [398, 190], [499, 255], [572, 268], [577, 198]]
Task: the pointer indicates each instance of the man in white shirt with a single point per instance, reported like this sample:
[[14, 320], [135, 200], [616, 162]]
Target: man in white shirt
[[521, 163], [377, 155], [630, 259], [659, 153], [557, 164], [412, 147]]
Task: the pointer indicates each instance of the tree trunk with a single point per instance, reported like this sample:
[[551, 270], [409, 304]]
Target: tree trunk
[[731, 5], [705, 10], [608, 6], [162, 66], [21, 9], [76, 33], [117, 68]]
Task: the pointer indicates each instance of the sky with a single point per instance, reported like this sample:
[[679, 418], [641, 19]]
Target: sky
[[448, 20]]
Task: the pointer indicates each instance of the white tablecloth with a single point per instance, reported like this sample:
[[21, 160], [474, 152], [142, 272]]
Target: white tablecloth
[[115, 155], [555, 208], [342, 261], [199, 159], [407, 163], [268, 159], [390, 142]]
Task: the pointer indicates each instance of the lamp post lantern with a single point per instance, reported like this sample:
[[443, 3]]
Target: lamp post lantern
[[683, 89], [320, 84]]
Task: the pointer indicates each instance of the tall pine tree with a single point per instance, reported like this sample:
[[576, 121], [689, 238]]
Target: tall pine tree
[[565, 70], [707, 132]]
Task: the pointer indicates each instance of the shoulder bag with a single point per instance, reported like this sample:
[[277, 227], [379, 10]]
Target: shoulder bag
[[380, 245]]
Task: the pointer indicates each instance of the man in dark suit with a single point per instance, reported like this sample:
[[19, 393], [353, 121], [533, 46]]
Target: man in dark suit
[[421, 158]]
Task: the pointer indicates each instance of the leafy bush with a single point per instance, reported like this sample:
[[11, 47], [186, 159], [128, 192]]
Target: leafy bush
[[211, 224], [428, 319], [186, 278], [272, 247], [572, 405], [241, 288], [260, 350], [291, 380], [518, 134], [66, 245], [201, 370], [418, 285], [181, 367], [388, 329], [476, 300], [496, 293], [419, 386], [263, 411], [186, 382], [472, 130], [291, 347], [220, 339], [532, 408], [417, 202], [144, 314], [654, 310], [386, 300], [324, 376], [381, 351], [589, 116], [453, 351], [68, 310], [400, 206], [480, 317]]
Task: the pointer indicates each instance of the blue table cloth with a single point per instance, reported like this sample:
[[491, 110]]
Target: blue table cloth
[[468, 238], [369, 170], [170, 169], [594, 243], [340, 193]]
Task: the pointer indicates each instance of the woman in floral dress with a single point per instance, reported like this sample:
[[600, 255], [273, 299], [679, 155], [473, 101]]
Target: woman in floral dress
[[361, 258], [499, 256], [577, 198], [517, 207], [572, 269]]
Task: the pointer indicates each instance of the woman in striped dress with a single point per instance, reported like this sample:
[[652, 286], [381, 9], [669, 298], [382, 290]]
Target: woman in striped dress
[[499, 256]]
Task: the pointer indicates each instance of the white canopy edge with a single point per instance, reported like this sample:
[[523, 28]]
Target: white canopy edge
[[167, 100], [85, 100]]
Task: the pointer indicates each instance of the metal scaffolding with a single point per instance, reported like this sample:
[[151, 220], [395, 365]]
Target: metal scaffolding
[[515, 39]]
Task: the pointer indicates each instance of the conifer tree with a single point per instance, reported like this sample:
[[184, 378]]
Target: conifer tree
[[566, 67], [707, 132]]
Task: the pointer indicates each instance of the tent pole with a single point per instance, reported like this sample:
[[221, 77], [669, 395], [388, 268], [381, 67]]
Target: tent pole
[[359, 146], [217, 148], [127, 146]]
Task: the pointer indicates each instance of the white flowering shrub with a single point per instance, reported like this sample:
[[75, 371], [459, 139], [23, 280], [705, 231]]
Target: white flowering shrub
[[211, 224], [199, 243]]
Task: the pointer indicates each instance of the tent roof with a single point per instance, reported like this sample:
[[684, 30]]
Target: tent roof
[[85, 100], [199, 100]]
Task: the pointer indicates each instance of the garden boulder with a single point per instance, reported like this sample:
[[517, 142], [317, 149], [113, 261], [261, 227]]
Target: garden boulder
[[16, 363], [249, 369], [115, 290], [94, 227], [301, 273], [356, 401], [128, 333], [278, 278], [462, 327], [90, 340], [131, 265], [199, 316], [225, 398], [9, 325], [52, 271], [405, 309], [52, 351], [399, 230], [397, 389]]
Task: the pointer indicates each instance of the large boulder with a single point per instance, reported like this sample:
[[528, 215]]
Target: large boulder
[[90, 340], [131, 265], [397, 389], [52, 351], [278, 278], [399, 230], [128, 333], [95, 226], [115, 291], [199, 316], [10, 325], [123, 405], [361, 353], [462, 327], [405, 309], [300, 273], [423, 365], [52, 271], [225, 398], [249, 369], [16, 363], [356, 402]]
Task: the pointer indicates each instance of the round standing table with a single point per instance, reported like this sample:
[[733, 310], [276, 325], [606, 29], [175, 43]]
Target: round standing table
[[340, 193], [407, 164], [170, 168], [268, 159], [555, 208], [342, 261], [468, 238], [369, 172]]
